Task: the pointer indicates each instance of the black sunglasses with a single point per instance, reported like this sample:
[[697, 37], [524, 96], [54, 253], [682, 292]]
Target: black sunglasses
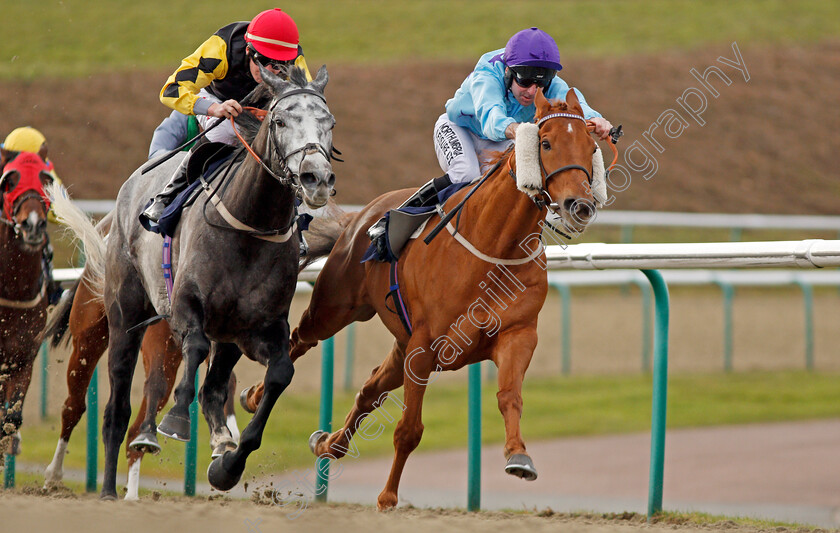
[[527, 82]]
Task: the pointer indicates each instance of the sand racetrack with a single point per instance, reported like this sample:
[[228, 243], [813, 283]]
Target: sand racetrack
[[88, 514]]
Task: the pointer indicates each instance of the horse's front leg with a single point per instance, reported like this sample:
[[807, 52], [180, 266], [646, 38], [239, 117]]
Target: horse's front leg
[[17, 385], [195, 348], [513, 354], [225, 471], [214, 395]]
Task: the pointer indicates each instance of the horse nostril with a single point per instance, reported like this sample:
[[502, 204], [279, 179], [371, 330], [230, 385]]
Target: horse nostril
[[579, 208], [42, 226], [308, 180], [331, 180]]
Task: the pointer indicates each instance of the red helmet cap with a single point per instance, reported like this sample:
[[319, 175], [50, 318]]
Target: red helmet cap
[[274, 34]]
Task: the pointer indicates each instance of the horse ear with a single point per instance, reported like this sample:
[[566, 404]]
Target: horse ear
[[275, 83], [321, 79], [541, 102], [572, 102]]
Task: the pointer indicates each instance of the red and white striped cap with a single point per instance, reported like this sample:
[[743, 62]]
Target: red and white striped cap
[[274, 34]]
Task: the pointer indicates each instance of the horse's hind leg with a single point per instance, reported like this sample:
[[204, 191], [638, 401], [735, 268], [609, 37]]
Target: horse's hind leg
[[123, 349], [409, 429], [225, 471], [126, 306], [89, 331], [161, 359], [214, 395], [373, 394], [513, 355]]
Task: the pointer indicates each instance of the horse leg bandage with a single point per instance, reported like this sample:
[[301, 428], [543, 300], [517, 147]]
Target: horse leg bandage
[[528, 177]]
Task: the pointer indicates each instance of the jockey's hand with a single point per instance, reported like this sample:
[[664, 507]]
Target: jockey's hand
[[602, 127], [510, 131], [228, 108]]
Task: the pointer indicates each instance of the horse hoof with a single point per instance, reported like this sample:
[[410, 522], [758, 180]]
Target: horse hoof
[[315, 438], [219, 478], [146, 443], [243, 400], [520, 465], [223, 447], [175, 427], [108, 497]]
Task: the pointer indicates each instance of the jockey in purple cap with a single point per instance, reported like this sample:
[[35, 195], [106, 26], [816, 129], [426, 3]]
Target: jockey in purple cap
[[492, 101]]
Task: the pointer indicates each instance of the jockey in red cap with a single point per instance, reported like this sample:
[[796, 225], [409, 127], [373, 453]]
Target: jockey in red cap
[[210, 82]]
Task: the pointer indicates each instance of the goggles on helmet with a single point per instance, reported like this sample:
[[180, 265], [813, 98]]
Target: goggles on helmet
[[526, 76], [267, 61]]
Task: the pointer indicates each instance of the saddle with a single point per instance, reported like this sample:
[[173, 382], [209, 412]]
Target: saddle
[[207, 160], [405, 223]]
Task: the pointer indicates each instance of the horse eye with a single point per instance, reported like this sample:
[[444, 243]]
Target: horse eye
[[545, 144], [280, 122]]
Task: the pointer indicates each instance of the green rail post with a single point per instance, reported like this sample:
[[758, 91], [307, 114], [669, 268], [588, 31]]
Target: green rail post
[[646, 339], [474, 439], [325, 423], [660, 391], [9, 468], [808, 301], [565, 329], [728, 294], [191, 449], [92, 431], [44, 353], [349, 357]]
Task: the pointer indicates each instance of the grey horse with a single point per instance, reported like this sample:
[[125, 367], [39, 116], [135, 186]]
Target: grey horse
[[235, 262]]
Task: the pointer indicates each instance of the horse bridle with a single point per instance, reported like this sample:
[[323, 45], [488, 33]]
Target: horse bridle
[[10, 221], [543, 194], [289, 177]]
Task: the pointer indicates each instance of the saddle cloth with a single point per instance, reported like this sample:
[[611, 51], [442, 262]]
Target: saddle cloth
[[207, 160], [403, 224]]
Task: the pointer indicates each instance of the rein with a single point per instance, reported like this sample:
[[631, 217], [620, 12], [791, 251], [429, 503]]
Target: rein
[[288, 178]]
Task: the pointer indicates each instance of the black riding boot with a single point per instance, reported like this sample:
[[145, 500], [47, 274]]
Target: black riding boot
[[425, 196], [174, 186]]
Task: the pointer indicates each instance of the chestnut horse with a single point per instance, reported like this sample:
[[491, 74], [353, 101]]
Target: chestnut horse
[[82, 313], [23, 285], [467, 298]]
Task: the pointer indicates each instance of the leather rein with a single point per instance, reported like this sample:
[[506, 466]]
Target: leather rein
[[286, 176]]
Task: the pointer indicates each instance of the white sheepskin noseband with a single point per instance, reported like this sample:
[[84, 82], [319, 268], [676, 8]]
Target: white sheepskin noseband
[[528, 177], [599, 182]]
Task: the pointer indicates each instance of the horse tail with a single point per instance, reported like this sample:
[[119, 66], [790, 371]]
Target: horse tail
[[59, 321], [70, 215], [324, 231]]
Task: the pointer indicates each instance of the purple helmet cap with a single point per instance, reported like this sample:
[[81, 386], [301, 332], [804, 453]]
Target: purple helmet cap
[[534, 48]]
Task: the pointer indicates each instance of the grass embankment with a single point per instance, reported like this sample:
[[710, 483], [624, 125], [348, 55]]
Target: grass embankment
[[78, 38], [554, 407]]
